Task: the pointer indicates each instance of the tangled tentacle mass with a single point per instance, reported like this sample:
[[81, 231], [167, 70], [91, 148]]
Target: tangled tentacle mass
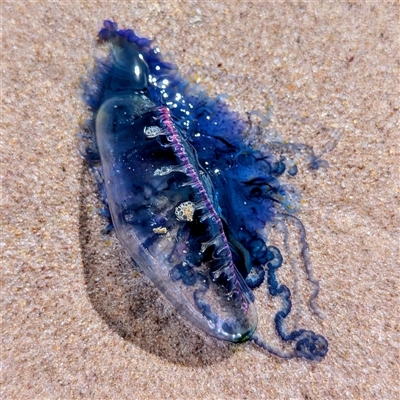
[[188, 198]]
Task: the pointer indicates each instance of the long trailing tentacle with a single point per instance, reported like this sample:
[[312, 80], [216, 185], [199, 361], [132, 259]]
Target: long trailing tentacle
[[307, 343], [307, 263]]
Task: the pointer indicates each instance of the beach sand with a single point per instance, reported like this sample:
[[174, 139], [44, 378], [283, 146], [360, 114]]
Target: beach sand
[[79, 322]]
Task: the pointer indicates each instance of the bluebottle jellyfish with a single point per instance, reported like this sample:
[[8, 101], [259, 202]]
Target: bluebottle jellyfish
[[188, 199]]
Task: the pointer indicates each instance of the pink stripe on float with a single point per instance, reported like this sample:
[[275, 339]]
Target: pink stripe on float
[[180, 151]]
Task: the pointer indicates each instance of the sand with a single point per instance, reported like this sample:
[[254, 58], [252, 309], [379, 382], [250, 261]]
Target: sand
[[79, 322]]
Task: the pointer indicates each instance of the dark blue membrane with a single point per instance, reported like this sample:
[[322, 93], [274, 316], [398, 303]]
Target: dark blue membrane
[[247, 188]]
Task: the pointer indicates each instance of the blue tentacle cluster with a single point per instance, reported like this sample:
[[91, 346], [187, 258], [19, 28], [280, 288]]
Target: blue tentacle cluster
[[244, 183]]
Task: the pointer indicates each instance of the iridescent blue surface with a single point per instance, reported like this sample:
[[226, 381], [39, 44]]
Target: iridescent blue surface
[[189, 200]]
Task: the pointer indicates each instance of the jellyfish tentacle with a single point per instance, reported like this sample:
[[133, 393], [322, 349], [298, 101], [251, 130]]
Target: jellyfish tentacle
[[307, 263], [294, 265]]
